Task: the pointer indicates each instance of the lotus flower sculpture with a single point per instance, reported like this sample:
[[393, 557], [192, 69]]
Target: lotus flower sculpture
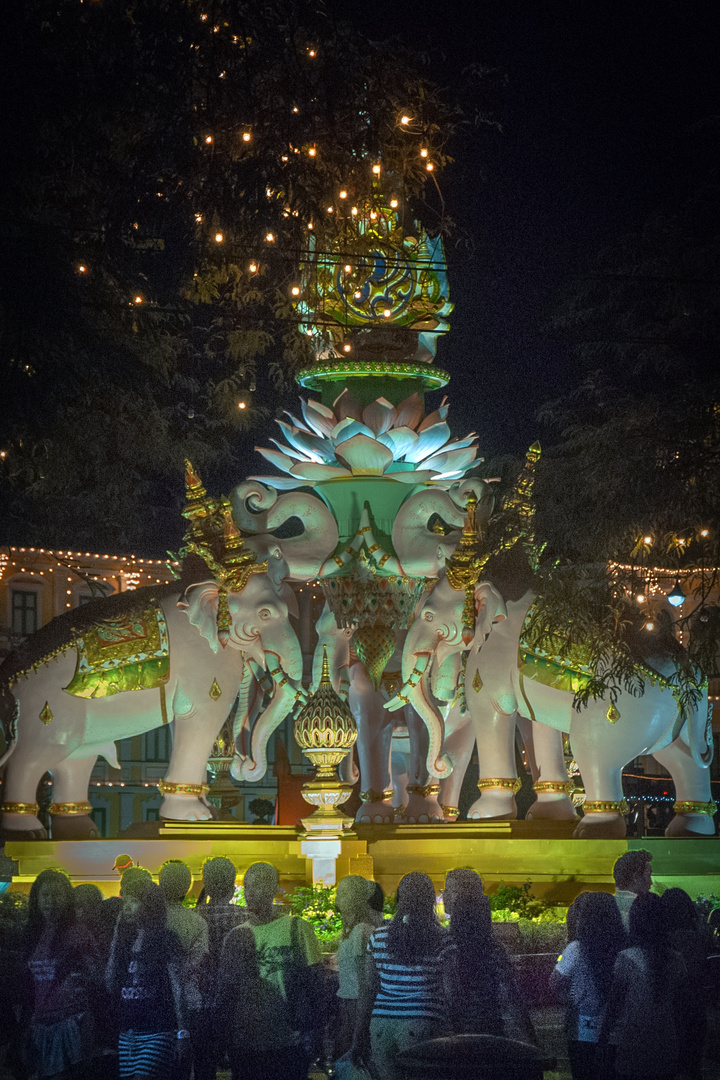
[[379, 439]]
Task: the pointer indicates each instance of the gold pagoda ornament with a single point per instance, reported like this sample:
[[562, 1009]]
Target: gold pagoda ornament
[[326, 732]]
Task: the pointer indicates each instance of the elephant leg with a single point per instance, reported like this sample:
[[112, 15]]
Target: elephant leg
[[375, 728], [422, 802], [601, 770], [70, 787], [544, 749], [400, 778], [692, 787], [496, 754], [459, 745], [194, 735], [25, 768]]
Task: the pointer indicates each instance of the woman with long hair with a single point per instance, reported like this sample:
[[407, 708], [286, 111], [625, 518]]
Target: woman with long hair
[[59, 1034], [480, 985], [648, 998], [689, 936], [359, 921], [584, 974], [143, 979], [401, 994]]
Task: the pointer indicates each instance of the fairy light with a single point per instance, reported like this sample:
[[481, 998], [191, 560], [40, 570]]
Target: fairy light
[[393, 203], [198, 218], [310, 225], [423, 152], [295, 109], [252, 267], [82, 269], [208, 139], [357, 295], [429, 166], [246, 136], [404, 119], [312, 53], [270, 237], [312, 152], [295, 290], [647, 539], [347, 348], [373, 215], [376, 169], [347, 268], [329, 209], [704, 532], [354, 211], [343, 194], [387, 313], [640, 598], [219, 238], [138, 299], [242, 405]]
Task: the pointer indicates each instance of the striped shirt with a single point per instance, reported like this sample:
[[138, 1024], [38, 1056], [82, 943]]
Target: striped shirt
[[408, 990]]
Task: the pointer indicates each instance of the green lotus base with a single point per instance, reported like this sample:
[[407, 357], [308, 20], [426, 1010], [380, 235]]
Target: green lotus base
[[372, 379]]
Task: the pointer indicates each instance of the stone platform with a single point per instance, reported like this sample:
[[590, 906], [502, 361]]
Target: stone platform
[[510, 851]]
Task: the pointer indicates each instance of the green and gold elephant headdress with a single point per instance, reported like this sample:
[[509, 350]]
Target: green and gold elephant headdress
[[465, 565]]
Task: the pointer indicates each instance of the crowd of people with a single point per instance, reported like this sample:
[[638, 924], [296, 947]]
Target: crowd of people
[[142, 987]]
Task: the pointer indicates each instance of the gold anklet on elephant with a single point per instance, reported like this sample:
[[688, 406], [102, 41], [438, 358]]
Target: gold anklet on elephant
[[167, 788], [450, 812], [20, 808], [399, 812], [69, 809], [425, 791], [709, 808], [505, 783], [376, 796], [609, 806], [554, 787]]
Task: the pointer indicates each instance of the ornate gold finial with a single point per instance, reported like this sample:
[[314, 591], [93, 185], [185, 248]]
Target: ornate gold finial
[[193, 484], [464, 567]]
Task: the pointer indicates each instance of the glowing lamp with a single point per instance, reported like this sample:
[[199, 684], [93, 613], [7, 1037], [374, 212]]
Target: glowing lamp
[[676, 596], [311, 52], [246, 136], [348, 268], [242, 405], [647, 539], [347, 348], [373, 215], [269, 237], [310, 225], [309, 333], [354, 211], [219, 238], [295, 290], [387, 313], [704, 532], [423, 152], [312, 151], [138, 299], [252, 268], [295, 108], [640, 598], [82, 269], [376, 169], [357, 295], [393, 203], [208, 139], [404, 119], [198, 218], [650, 626], [429, 166], [330, 209], [343, 194]]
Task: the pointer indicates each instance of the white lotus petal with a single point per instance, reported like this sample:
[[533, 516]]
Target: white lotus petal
[[451, 460], [366, 457], [280, 461], [379, 415], [419, 476], [312, 446], [310, 470], [318, 416], [429, 440], [457, 444], [400, 440], [298, 423], [290, 452], [409, 412], [280, 483], [434, 418], [347, 405], [349, 427]]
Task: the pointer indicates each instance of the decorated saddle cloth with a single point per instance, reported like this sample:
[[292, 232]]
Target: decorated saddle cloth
[[130, 652]]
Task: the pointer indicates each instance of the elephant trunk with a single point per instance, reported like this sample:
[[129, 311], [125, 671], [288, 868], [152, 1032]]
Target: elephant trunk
[[254, 767], [438, 764], [258, 511], [415, 543]]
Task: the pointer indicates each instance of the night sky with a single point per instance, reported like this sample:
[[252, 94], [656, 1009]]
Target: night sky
[[602, 117]]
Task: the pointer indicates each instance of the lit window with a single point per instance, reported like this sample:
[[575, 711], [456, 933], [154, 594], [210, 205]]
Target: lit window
[[24, 611]]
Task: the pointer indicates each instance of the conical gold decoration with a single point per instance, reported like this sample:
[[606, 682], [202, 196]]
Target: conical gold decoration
[[374, 645], [325, 731]]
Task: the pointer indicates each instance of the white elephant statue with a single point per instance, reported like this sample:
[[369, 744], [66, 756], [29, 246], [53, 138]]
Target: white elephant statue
[[378, 732], [184, 652], [604, 738]]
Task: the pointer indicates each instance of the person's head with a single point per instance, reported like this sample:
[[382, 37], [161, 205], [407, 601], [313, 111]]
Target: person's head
[[135, 882], [463, 888], [175, 880], [599, 920], [219, 878], [88, 901], [150, 908], [377, 898], [678, 911], [414, 932], [351, 900], [633, 872], [416, 898], [260, 885], [52, 899], [647, 924]]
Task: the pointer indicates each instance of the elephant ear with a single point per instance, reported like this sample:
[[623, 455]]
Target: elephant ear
[[200, 604], [489, 601], [290, 599]]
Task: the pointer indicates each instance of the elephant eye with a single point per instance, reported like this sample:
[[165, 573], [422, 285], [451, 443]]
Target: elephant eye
[[428, 616], [264, 613]]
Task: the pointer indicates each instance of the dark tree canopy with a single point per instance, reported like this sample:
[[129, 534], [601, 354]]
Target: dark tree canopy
[[167, 162]]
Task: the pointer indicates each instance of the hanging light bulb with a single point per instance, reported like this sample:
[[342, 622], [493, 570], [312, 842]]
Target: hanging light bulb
[[429, 166], [252, 267], [647, 539], [423, 152], [404, 119], [312, 151], [246, 136], [650, 626], [676, 596], [376, 169], [704, 533], [219, 238], [295, 290], [82, 269], [269, 237], [343, 194]]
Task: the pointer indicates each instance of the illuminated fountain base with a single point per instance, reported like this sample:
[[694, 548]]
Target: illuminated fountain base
[[558, 866]]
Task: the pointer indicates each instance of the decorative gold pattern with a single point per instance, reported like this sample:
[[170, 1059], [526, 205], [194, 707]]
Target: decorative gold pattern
[[554, 787], [613, 713], [709, 808], [464, 567], [19, 808], [131, 652], [325, 723], [452, 813], [165, 787], [69, 809], [477, 682], [375, 645], [609, 806], [505, 783], [425, 791], [215, 692], [376, 796], [46, 714]]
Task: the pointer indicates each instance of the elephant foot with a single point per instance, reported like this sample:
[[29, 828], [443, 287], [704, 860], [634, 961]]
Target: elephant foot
[[691, 825], [493, 806], [74, 827], [421, 811], [550, 806], [20, 827], [376, 813], [184, 808], [601, 827]]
